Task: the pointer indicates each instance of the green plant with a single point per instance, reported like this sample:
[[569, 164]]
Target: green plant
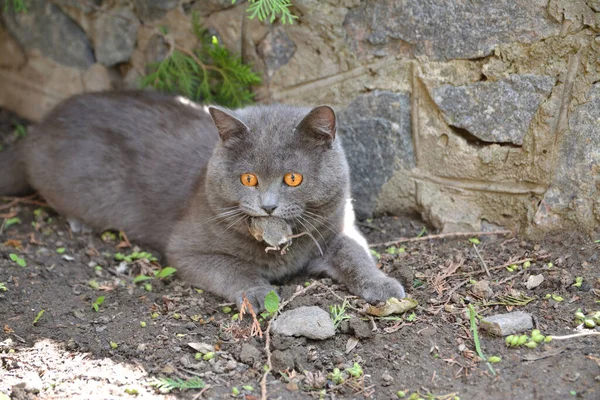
[[3, 287], [355, 371], [271, 304], [20, 131], [160, 274], [16, 5], [336, 376], [472, 320], [38, 316], [166, 385], [11, 221], [208, 74], [20, 261], [338, 313], [263, 9], [96, 304], [136, 255]]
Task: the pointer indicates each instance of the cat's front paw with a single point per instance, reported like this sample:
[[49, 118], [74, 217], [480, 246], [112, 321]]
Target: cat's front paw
[[380, 289], [255, 295]]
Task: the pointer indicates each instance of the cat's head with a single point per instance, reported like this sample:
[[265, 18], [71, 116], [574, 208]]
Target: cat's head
[[278, 161]]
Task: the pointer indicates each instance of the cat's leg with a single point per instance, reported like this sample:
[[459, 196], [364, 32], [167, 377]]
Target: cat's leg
[[225, 276], [349, 262]]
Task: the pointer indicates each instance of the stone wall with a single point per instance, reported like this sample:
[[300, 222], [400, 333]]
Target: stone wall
[[474, 114]]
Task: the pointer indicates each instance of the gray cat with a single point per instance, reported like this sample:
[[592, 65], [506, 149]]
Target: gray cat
[[193, 182]]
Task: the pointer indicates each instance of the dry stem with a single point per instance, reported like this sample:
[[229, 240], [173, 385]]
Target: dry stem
[[440, 236], [263, 381]]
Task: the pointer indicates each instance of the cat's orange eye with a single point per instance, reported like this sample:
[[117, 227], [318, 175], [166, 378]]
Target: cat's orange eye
[[249, 179], [292, 179]]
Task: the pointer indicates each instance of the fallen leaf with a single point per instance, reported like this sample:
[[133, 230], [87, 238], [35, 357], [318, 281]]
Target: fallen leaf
[[351, 344], [14, 243], [202, 347], [392, 306]]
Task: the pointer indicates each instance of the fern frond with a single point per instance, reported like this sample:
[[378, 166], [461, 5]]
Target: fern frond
[[270, 9]]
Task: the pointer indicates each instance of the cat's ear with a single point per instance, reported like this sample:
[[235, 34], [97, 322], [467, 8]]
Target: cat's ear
[[319, 123], [227, 125]]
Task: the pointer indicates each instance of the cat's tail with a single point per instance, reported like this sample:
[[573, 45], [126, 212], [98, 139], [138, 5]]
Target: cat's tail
[[13, 179]]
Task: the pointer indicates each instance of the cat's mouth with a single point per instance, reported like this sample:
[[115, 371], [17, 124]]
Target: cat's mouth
[[273, 231]]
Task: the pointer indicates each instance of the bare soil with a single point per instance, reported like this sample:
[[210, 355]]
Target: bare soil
[[74, 351]]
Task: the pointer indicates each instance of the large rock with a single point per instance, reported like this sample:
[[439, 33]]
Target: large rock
[[276, 49], [311, 322], [575, 191], [445, 29], [46, 28], [154, 9], [114, 36], [376, 134], [495, 112]]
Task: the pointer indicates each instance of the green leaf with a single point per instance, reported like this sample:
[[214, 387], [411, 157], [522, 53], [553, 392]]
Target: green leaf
[[141, 278], [38, 316], [60, 250], [165, 272], [12, 221], [21, 262], [474, 240], [375, 254], [272, 302], [13, 257]]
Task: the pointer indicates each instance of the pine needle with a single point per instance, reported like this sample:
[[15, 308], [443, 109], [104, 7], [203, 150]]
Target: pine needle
[[166, 385]]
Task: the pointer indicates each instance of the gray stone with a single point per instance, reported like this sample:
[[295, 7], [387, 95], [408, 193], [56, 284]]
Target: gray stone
[[276, 49], [495, 112], [482, 289], [86, 7], [376, 134], [312, 322], [534, 281], [575, 190], [207, 7], [249, 354], [445, 29], [153, 9], [114, 36], [46, 28], [507, 324]]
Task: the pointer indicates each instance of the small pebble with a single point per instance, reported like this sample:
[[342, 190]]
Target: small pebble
[[387, 379], [507, 324], [312, 322]]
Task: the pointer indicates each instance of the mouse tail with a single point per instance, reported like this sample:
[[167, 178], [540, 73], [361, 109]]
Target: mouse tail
[[13, 179]]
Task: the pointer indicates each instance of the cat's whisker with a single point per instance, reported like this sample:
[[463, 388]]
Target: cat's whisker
[[312, 237], [321, 220], [231, 225], [314, 228], [224, 216]]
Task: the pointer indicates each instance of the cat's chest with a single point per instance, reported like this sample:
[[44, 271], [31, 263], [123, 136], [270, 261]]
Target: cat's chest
[[285, 261]]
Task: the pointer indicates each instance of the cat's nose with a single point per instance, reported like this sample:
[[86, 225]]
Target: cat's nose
[[269, 208]]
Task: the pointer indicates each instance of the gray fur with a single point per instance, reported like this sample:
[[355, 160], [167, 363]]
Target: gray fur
[[156, 168]]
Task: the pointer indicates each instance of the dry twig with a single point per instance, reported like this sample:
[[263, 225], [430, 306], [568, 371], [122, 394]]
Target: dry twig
[[263, 381], [440, 236]]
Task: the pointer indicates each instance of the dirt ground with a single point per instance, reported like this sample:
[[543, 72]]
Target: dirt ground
[[138, 335]]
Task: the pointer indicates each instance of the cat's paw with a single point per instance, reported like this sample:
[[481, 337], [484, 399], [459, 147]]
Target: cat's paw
[[255, 295], [380, 289]]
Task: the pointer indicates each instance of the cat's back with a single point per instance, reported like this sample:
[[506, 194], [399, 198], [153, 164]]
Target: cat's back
[[127, 160]]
